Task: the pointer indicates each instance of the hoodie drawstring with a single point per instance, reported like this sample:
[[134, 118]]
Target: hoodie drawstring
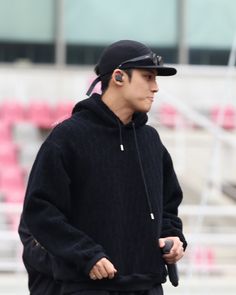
[[140, 165], [143, 175], [121, 139]]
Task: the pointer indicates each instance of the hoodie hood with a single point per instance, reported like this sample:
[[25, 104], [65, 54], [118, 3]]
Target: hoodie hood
[[96, 106]]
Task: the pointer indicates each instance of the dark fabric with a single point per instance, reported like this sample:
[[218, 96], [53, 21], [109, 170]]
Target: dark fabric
[[86, 200], [43, 285], [38, 264], [154, 291]]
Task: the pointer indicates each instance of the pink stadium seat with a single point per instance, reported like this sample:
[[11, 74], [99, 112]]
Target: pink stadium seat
[[11, 180], [224, 116], [5, 131], [168, 115], [63, 111], [8, 153], [12, 111], [12, 170], [40, 114], [15, 195]]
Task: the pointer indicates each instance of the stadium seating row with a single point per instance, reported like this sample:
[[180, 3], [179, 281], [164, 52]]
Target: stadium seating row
[[44, 115], [40, 113], [223, 116]]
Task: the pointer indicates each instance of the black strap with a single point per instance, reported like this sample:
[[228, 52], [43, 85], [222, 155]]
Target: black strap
[[98, 79]]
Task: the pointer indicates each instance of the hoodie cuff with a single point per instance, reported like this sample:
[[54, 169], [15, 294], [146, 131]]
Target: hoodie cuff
[[93, 261]]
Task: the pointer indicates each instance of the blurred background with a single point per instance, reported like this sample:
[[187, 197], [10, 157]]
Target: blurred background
[[48, 50]]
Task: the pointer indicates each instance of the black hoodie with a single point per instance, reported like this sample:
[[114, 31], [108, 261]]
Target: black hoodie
[[92, 190]]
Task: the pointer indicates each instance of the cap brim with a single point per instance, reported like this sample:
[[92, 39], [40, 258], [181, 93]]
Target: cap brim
[[161, 71]]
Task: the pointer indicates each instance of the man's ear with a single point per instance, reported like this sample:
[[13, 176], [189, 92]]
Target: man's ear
[[118, 76]]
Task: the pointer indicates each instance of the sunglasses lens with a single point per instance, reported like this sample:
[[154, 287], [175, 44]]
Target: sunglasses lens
[[157, 60], [154, 59]]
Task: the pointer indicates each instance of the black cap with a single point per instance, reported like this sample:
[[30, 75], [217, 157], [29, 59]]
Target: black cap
[[128, 54]]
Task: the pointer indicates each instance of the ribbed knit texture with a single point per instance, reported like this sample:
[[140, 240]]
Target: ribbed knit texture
[[86, 199]]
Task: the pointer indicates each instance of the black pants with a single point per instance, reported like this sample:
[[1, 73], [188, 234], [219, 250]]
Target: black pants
[[154, 291]]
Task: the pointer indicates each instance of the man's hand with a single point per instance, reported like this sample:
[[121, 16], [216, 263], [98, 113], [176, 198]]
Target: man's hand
[[103, 269], [176, 252]]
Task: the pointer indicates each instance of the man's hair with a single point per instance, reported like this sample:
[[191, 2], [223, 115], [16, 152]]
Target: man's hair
[[106, 79]]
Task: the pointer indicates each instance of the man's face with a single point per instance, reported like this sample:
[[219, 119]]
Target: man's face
[[138, 92]]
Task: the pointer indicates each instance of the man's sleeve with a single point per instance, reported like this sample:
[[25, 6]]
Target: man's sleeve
[[172, 197], [36, 258], [47, 209]]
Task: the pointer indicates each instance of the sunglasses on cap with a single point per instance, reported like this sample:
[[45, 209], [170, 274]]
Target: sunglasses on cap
[[156, 59]]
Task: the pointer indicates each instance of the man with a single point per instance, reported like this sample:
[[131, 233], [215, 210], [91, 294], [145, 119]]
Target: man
[[103, 196]]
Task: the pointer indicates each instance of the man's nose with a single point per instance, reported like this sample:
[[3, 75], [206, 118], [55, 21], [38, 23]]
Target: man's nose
[[155, 87]]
